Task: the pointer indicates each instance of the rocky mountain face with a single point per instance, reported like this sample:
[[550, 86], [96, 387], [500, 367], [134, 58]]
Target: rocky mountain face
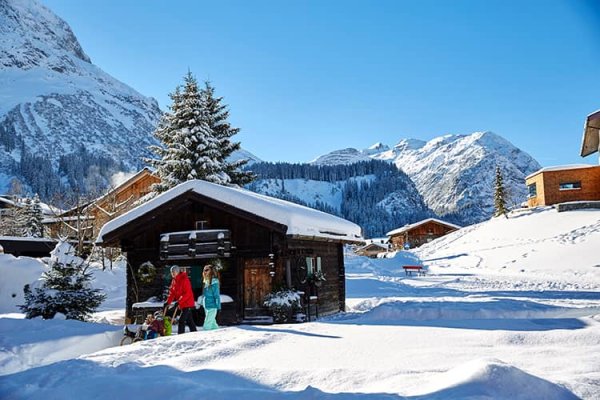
[[64, 123], [455, 173], [342, 157]]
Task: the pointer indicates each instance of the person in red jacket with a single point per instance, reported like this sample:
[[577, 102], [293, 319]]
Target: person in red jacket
[[181, 292]]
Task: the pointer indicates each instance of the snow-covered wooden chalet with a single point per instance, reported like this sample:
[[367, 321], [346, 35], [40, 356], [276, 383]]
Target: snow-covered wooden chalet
[[262, 244], [561, 184], [373, 247], [90, 216], [419, 233]]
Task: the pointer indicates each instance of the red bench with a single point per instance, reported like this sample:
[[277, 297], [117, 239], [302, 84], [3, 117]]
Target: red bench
[[409, 269]]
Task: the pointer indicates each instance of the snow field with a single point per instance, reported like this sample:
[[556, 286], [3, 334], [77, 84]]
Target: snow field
[[464, 331]]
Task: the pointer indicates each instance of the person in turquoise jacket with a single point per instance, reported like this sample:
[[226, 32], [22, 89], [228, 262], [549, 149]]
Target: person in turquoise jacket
[[212, 297]]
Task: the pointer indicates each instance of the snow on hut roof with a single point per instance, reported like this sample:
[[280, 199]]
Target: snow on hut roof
[[411, 226], [560, 168], [383, 240], [371, 245], [300, 220]]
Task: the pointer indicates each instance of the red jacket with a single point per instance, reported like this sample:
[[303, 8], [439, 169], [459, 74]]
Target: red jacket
[[181, 291]]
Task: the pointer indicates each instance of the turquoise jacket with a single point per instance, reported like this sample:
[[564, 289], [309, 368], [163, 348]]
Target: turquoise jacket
[[212, 295]]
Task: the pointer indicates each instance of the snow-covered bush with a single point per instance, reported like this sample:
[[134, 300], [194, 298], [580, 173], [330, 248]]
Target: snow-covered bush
[[282, 304], [63, 289]]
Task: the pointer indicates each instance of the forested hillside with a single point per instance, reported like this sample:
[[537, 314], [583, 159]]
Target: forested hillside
[[374, 194]]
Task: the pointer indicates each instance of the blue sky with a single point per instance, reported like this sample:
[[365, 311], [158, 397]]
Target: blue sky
[[303, 78]]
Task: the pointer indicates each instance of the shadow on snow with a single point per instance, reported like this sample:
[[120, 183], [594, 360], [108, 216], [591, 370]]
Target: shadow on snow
[[91, 380]]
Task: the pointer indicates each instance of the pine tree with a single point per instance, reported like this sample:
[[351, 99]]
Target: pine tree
[[217, 118], [499, 195], [65, 288], [194, 142], [32, 218]]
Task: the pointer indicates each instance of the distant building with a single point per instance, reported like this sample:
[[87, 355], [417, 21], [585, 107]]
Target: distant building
[[373, 247], [419, 233], [6, 204], [561, 184], [569, 183], [591, 134], [91, 216]]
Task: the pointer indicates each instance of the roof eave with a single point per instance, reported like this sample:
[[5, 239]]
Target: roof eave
[[325, 239], [591, 137]]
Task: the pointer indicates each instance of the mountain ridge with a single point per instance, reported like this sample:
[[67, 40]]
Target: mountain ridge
[[57, 107], [454, 173]]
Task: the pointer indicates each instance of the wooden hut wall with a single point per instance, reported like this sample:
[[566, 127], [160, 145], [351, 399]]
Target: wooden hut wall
[[331, 294], [420, 235], [428, 231], [251, 240], [122, 196], [397, 240]]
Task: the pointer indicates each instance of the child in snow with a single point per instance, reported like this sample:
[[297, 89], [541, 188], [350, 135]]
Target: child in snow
[[153, 326], [212, 297]]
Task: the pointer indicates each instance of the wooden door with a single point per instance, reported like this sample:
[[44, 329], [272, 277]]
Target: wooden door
[[257, 284]]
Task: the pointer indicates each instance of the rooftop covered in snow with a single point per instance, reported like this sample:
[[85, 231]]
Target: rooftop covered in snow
[[300, 221], [560, 168]]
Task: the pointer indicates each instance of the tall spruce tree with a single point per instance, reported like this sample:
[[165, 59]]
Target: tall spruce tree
[[194, 141], [221, 129], [499, 195], [32, 218], [65, 288]]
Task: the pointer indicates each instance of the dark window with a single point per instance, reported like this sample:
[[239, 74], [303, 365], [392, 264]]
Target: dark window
[[313, 264], [532, 190], [570, 185]]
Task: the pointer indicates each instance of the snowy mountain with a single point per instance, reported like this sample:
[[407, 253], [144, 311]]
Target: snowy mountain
[[454, 173], [242, 154], [65, 125], [63, 121], [341, 157]]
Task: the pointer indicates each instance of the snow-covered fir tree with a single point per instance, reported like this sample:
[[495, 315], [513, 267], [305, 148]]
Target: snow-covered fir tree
[[32, 218], [499, 195], [65, 288], [217, 118], [190, 147]]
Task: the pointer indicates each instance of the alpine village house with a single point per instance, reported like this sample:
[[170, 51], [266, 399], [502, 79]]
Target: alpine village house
[[260, 243], [85, 220], [569, 183], [419, 233]]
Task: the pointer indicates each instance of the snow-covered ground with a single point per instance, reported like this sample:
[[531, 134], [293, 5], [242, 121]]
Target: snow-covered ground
[[510, 309]]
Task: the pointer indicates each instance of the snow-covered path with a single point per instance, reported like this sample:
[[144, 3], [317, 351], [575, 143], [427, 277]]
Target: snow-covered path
[[430, 343]]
